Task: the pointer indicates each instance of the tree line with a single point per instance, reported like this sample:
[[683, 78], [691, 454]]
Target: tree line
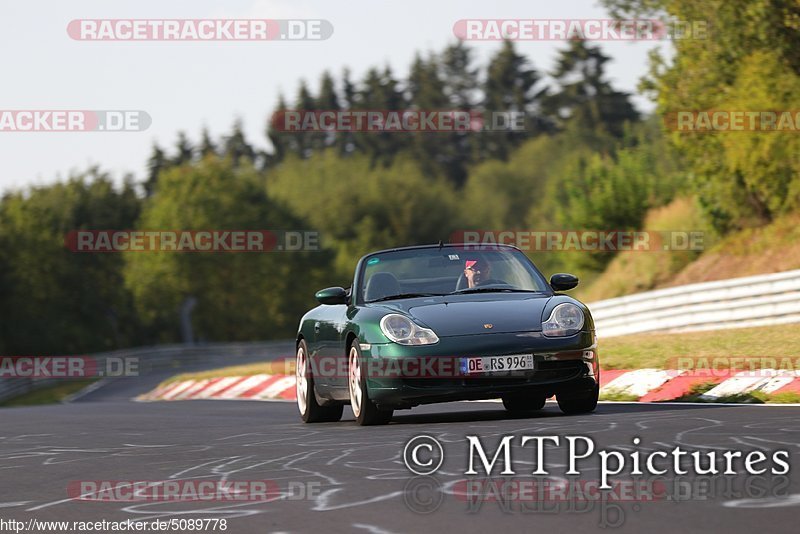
[[585, 161]]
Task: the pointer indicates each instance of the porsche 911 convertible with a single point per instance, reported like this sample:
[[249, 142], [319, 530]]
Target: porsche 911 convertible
[[443, 323]]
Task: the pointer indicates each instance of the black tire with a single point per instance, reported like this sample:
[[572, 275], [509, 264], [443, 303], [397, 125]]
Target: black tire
[[311, 411], [365, 411], [572, 404], [518, 403]]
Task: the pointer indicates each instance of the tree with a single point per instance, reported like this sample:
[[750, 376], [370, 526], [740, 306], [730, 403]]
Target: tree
[[65, 302], [380, 206], [584, 99], [184, 151], [749, 61], [278, 138], [509, 88], [207, 146], [155, 164], [380, 91], [240, 295], [327, 100], [302, 142], [237, 148]]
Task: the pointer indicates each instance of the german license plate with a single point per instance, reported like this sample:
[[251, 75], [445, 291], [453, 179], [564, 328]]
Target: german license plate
[[492, 364]]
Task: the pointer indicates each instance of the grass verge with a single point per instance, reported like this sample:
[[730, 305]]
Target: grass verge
[[757, 346], [47, 395]]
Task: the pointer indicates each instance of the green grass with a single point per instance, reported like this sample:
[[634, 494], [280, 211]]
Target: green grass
[[619, 396], [661, 351], [695, 391], [788, 397], [637, 271], [48, 395]]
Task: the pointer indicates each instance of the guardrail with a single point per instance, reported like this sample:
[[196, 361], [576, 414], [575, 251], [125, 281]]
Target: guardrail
[[734, 303], [161, 357]]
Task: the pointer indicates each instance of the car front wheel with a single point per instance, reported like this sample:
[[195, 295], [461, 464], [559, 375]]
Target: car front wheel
[[364, 410], [310, 410]]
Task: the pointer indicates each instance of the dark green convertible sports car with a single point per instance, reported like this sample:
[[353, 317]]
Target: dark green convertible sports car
[[445, 323]]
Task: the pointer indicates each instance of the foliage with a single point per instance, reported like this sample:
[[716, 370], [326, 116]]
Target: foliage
[[360, 190], [748, 62], [58, 301], [247, 295]]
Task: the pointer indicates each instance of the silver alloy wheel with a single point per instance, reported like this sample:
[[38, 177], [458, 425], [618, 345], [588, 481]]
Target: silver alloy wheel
[[301, 378], [354, 380]]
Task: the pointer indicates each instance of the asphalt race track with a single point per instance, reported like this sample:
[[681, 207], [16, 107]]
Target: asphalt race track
[[358, 476]]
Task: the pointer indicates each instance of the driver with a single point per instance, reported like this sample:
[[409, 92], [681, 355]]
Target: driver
[[477, 272]]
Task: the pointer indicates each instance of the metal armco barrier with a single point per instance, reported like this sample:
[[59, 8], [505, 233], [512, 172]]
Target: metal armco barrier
[[762, 300], [161, 357]]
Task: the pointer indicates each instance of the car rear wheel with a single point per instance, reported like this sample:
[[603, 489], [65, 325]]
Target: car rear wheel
[[310, 410], [524, 402], [364, 410], [572, 404]]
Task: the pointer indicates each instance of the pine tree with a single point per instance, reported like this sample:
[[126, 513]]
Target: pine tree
[[236, 146], [155, 164], [302, 142], [328, 100], [278, 138], [584, 96], [509, 88], [346, 140], [184, 151], [207, 146]]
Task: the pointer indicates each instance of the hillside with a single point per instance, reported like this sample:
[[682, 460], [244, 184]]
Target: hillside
[[768, 249]]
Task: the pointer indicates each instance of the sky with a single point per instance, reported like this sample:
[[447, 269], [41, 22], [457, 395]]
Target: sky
[[190, 85]]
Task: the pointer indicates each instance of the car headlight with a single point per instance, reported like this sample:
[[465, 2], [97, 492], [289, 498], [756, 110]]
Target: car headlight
[[565, 319], [404, 331]]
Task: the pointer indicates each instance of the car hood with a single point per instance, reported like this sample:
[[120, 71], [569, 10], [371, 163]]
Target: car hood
[[475, 314]]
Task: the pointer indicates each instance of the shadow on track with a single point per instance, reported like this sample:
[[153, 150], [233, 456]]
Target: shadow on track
[[550, 411]]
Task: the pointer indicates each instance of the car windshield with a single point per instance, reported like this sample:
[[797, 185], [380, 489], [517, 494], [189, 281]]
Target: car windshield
[[445, 271]]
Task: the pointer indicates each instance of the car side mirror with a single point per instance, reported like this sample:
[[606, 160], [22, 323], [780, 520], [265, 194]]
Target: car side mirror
[[563, 281], [332, 295]]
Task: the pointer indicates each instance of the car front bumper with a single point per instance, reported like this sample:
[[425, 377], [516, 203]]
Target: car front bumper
[[404, 376]]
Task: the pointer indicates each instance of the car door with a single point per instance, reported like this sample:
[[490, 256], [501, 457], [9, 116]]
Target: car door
[[330, 358]]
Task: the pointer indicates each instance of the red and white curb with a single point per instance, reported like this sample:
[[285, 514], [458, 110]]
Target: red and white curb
[[654, 385], [256, 387], [646, 385]]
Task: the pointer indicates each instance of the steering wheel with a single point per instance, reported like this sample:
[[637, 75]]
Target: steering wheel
[[463, 284]]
